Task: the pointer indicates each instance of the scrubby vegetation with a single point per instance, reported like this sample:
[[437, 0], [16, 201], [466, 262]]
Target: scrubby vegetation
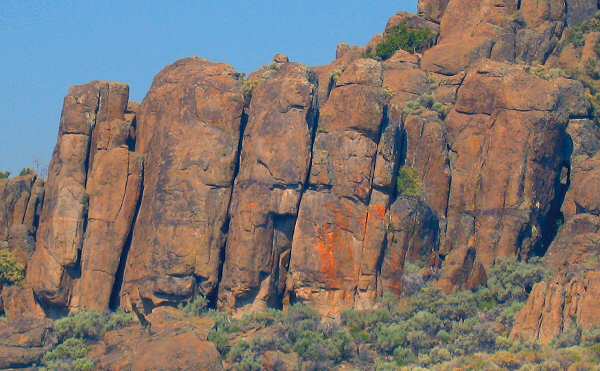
[[26, 171], [76, 332], [429, 330], [4, 174], [547, 73], [195, 306], [402, 37], [576, 34], [409, 182], [69, 355], [426, 102], [11, 271]]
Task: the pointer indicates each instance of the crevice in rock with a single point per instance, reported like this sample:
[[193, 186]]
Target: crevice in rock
[[115, 295], [283, 235], [312, 120], [213, 296], [552, 221]]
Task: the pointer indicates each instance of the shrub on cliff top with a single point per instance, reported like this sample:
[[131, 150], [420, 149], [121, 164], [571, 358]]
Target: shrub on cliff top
[[402, 37], [26, 171], [11, 271], [4, 174]]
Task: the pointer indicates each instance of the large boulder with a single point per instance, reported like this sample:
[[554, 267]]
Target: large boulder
[[176, 342], [274, 164], [190, 124]]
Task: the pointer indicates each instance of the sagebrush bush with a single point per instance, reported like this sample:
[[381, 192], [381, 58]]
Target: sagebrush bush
[[513, 280], [429, 329], [195, 306], [71, 354], [11, 271], [576, 34], [91, 325]]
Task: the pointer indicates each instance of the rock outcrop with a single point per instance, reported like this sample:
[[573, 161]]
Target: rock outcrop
[[177, 343], [23, 342], [190, 130], [21, 201], [90, 201], [274, 163], [318, 185]]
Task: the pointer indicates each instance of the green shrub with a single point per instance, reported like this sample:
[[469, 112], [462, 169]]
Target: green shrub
[[11, 271], [4, 174], [195, 306], [26, 171], [403, 37], [426, 102], [576, 34], [70, 354], [90, 325], [511, 280], [409, 182]]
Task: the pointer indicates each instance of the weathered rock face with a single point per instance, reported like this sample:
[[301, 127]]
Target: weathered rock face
[[21, 200], [570, 298], [177, 343], [274, 164], [556, 306], [583, 195], [509, 30], [282, 187], [412, 237], [500, 208], [432, 10], [91, 196], [24, 342], [189, 133], [329, 238]]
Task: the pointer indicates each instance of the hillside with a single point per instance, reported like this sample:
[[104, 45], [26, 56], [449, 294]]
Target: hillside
[[431, 199]]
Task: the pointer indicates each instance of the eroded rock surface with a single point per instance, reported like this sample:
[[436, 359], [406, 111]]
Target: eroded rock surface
[[190, 125], [274, 164]]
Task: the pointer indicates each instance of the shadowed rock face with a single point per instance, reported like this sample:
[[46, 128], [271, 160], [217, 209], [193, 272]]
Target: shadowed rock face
[[189, 133], [282, 187]]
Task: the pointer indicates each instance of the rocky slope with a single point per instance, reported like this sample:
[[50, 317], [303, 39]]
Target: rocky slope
[[282, 187]]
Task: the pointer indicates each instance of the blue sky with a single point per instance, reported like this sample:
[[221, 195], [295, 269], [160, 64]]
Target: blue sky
[[49, 45]]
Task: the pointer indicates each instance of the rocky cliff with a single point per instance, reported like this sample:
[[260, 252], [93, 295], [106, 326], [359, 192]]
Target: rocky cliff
[[319, 185]]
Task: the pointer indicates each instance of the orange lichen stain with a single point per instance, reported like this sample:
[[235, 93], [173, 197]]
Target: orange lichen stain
[[325, 248], [376, 211]]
